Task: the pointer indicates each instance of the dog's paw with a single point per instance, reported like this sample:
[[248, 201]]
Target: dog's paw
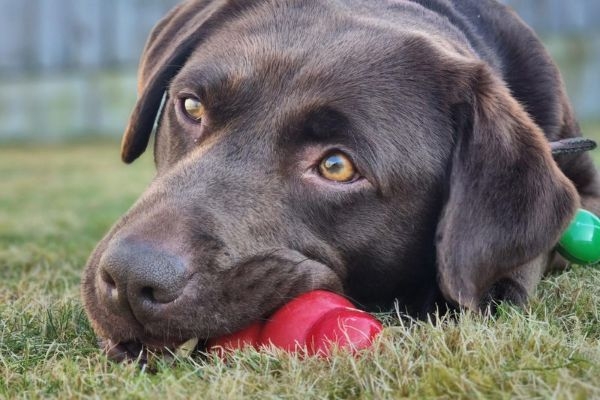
[[505, 290]]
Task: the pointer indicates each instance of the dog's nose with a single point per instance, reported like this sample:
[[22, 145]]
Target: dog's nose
[[138, 277]]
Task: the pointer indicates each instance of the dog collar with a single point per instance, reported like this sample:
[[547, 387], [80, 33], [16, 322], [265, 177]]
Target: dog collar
[[572, 145], [580, 242]]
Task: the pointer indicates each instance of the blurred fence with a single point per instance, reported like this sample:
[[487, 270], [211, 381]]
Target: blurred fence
[[67, 67], [56, 36]]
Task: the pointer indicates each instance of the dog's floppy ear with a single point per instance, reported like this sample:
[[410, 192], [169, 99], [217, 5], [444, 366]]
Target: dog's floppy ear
[[170, 44], [507, 200]]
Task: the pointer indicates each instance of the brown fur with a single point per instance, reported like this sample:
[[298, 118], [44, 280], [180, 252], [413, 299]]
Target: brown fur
[[444, 106]]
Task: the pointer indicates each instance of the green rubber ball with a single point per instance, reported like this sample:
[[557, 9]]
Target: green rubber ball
[[580, 243]]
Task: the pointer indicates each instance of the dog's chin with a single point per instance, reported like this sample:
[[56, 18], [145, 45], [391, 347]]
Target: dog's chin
[[138, 345], [139, 351]]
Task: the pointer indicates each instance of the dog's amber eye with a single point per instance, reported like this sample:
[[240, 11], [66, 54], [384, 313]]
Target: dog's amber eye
[[193, 108], [337, 167]]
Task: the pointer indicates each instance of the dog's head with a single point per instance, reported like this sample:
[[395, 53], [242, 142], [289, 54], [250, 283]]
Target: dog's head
[[299, 148]]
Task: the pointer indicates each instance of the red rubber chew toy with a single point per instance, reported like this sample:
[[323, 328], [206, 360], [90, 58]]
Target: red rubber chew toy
[[316, 320], [237, 340]]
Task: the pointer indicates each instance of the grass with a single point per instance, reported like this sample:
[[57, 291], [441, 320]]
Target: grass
[[56, 203]]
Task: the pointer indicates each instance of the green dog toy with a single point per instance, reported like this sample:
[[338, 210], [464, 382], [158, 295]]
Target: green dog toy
[[580, 243]]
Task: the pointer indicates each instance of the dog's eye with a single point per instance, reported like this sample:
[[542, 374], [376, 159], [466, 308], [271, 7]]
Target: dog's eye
[[337, 167], [193, 108]]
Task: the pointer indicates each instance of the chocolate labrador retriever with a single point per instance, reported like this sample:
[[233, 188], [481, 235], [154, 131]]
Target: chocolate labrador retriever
[[386, 150]]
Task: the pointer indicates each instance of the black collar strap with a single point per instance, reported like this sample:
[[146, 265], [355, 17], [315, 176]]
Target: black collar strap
[[572, 146]]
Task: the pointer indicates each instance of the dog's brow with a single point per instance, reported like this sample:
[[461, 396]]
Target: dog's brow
[[323, 123], [203, 83]]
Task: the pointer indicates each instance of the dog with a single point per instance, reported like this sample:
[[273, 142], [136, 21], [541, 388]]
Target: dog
[[390, 151]]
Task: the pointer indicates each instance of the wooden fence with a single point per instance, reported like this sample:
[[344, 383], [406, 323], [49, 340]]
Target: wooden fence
[[55, 36], [67, 67]]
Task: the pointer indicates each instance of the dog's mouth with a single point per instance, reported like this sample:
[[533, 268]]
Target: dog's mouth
[[137, 351], [197, 317]]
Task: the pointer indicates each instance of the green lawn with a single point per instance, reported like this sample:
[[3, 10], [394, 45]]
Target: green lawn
[[56, 203]]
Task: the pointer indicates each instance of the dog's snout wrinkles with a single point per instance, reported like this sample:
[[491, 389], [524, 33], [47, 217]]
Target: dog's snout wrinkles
[[140, 278]]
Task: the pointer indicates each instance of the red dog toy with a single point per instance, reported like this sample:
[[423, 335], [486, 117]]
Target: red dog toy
[[316, 321]]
